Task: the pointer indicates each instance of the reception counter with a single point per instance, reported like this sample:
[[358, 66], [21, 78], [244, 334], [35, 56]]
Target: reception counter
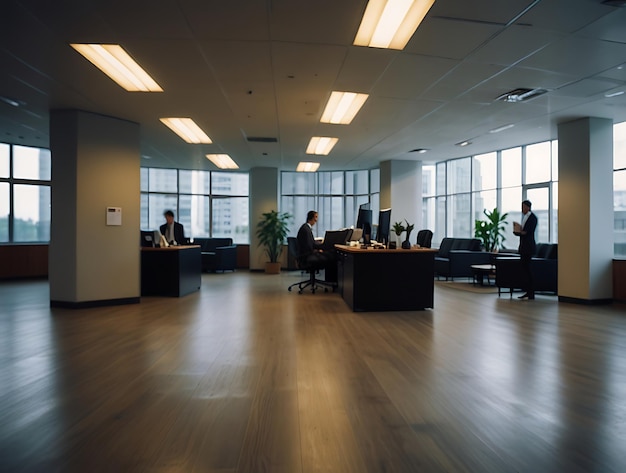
[[384, 280], [173, 271]]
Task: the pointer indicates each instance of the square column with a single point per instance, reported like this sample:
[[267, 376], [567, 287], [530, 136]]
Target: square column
[[586, 210], [95, 165]]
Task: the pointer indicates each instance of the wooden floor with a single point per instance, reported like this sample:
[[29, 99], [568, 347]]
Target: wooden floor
[[247, 377]]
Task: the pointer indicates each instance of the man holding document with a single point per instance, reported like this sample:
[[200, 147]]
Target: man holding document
[[526, 233]]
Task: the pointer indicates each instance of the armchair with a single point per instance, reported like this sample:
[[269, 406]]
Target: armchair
[[544, 268], [457, 255], [218, 254]]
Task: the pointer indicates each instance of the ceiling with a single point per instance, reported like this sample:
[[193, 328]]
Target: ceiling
[[246, 69]]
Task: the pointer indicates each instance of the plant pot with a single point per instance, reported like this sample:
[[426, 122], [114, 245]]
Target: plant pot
[[272, 268]]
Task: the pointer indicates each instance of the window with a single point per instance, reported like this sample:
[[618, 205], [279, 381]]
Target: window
[[538, 164], [485, 172], [465, 187], [4, 212], [619, 189], [335, 195], [208, 204], [24, 194]]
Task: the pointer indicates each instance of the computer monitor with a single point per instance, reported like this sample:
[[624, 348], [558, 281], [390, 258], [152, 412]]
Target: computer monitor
[[150, 238], [384, 225], [364, 221]]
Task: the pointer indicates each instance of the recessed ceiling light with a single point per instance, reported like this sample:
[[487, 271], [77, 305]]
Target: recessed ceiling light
[[10, 101], [419, 150], [222, 161], [614, 94], [463, 143], [187, 129], [520, 95], [119, 66], [342, 107], [501, 128], [304, 166], [391, 23], [321, 145]]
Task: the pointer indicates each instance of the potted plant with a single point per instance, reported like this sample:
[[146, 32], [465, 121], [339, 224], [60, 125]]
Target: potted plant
[[272, 233], [406, 244], [491, 231], [398, 228]]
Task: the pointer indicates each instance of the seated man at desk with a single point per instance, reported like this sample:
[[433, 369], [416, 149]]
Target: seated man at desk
[[311, 252], [173, 232]]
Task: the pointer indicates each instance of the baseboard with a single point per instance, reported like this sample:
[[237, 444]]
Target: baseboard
[[576, 300], [91, 304]]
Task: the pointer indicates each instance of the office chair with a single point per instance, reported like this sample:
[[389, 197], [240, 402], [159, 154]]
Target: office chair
[[424, 238], [312, 282]]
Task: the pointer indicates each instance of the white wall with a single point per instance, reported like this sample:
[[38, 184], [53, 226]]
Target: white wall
[[401, 190]]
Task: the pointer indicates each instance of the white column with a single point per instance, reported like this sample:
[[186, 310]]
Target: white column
[[95, 165], [401, 190], [585, 210]]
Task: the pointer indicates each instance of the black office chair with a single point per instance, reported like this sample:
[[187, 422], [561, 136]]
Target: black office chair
[[312, 282], [424, 238]]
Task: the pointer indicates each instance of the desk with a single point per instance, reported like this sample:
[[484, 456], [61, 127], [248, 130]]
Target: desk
[[174, 271], [384, 280]]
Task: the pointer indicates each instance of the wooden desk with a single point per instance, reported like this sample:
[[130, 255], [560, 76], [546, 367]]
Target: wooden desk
[[174, 271], [383, 280]]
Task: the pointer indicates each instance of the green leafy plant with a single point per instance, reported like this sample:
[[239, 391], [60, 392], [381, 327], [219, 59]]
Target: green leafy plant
[[491, 231], [398, 228], [272, 232]]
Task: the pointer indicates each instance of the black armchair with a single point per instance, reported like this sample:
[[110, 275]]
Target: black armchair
[[543, 266], [457, 255], [218, 254]]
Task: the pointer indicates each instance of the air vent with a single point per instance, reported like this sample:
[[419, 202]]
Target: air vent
[[261, 139], [521, 95]]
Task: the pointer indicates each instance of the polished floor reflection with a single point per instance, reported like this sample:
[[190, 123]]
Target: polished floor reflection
[[245, 376]]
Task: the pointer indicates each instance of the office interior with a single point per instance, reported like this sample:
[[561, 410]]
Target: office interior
[[256, 76]]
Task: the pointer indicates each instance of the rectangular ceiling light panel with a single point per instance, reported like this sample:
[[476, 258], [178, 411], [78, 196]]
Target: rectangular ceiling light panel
[[321, 145], [119, 66], [222, 161], [304, 166], [187, 129], [342, 107], [391, 23]]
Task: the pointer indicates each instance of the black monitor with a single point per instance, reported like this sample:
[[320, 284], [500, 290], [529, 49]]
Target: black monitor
[[384, 225], [150, 238], [364, 221]]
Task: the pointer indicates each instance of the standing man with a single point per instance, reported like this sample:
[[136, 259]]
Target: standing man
[[526, 233], [173, 232]]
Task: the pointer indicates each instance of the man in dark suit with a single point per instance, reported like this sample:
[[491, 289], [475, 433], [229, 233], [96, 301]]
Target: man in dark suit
[[527, 246], [173, 232], [311, 252]]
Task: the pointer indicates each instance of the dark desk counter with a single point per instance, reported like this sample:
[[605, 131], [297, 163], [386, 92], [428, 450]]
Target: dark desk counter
[[173, 271], [386, 280]]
